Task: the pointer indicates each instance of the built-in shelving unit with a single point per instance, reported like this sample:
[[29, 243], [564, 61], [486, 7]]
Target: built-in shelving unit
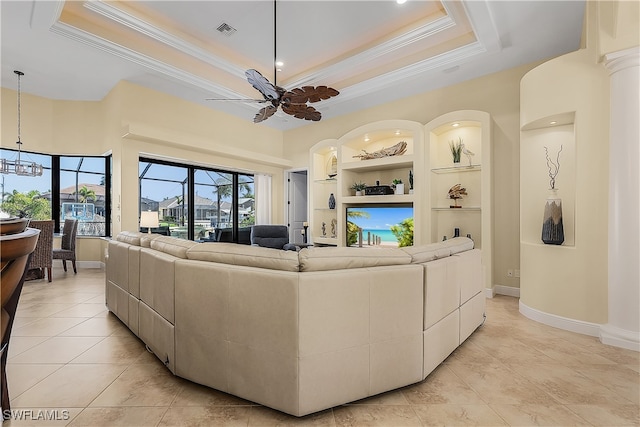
[[323, 183], [352, 168], [472, 172], [428, 156]]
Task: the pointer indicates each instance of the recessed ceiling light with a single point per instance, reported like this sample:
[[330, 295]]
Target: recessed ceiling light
[[553, 122], [279, 63], [455, 125], [401, 1], [366, 139], [397, 132]]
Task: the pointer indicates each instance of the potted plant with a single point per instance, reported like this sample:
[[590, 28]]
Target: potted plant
[[359, 187], [456, 150], [398, 186]]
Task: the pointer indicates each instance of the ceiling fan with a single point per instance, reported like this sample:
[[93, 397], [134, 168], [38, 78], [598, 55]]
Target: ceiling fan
[[293, 102]]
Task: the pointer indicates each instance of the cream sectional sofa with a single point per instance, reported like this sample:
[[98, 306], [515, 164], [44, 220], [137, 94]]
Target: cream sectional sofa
[[296, 331]]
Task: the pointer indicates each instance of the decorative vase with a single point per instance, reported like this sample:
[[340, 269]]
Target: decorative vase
[[552, 229], [399, 189], [358, 193], [332, 201]]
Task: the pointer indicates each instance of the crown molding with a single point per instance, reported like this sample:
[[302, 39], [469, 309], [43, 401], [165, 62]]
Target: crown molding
[[176, 73], [113, 13], [384, 80], [170, 137], [326, 74], [369, 55]]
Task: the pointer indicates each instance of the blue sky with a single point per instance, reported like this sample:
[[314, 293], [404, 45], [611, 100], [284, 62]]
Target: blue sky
[[381, 218]]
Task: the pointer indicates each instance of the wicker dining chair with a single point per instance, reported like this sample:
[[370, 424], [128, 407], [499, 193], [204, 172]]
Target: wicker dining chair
[[67, 251], [42, 257]]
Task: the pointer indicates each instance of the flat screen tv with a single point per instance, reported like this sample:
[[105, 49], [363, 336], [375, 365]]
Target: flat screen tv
[[379, 225]]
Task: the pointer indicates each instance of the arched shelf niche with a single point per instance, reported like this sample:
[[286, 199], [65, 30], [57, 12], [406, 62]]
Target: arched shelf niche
[[473, 172], [352, 168]]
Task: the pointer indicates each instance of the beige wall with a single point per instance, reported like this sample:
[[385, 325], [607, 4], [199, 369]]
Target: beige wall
[[179, 129], [570, 280], [166, 127], [173, 128], [497, 94], [616, 25]]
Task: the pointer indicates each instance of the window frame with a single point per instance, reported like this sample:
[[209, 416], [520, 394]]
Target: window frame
[[191, 187], [55, 186]]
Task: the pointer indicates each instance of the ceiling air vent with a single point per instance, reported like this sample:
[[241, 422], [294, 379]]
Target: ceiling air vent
[[226, 29]]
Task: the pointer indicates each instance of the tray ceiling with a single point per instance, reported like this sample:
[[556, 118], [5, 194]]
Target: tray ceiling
[[371, 51]]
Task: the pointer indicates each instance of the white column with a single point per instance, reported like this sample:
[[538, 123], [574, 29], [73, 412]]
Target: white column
[[623, 328]]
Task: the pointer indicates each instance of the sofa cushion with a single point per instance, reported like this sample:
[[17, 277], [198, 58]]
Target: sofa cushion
[[332, 258], [172, 245], [146, 238], [433, 251], [459, 244], [426, 253], [252, 256], [130, 237]]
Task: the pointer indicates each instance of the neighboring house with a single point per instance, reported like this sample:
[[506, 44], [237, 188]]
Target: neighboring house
[[148, 204], [205, 210], [70, 195]]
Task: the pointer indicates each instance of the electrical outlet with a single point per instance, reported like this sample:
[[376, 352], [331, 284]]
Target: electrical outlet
[[509, 273], [517, 273]]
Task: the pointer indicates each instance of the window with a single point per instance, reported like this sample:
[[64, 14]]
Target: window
[[82, 193], [246, 201], [71, 187], [164, 188], [26, 196], [222, 201]]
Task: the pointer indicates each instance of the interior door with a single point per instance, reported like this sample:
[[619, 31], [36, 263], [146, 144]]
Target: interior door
[[297, 205]]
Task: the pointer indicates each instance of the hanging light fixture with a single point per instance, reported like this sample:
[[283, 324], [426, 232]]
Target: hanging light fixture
[[16, 166]]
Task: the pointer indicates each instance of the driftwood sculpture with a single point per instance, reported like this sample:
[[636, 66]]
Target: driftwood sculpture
[[396, 150], [456, 192]]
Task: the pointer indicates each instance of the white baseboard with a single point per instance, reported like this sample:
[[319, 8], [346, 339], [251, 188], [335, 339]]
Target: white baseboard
[[507, 290], [578, 326], [612, 335], [502, 290], [89, 264]]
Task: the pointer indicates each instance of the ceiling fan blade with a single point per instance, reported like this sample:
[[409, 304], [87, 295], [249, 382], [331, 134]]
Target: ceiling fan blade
[[238, 99], [264, 113], [304, 94], [302, 111], [263, 85]]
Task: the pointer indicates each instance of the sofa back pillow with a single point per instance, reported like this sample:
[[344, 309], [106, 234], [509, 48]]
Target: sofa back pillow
[[172, 246], [333, 258], [130, 237], [459, 244], [426, 253], [433, 251], [252, 256], [147, 238]]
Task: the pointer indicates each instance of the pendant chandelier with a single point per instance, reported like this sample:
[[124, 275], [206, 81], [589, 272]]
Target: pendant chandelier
[[16, 166]]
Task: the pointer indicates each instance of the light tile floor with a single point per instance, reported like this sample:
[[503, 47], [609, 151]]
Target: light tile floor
[[70, 358]]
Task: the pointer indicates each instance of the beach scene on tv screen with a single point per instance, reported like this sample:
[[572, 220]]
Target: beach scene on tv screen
[[381, 226]]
